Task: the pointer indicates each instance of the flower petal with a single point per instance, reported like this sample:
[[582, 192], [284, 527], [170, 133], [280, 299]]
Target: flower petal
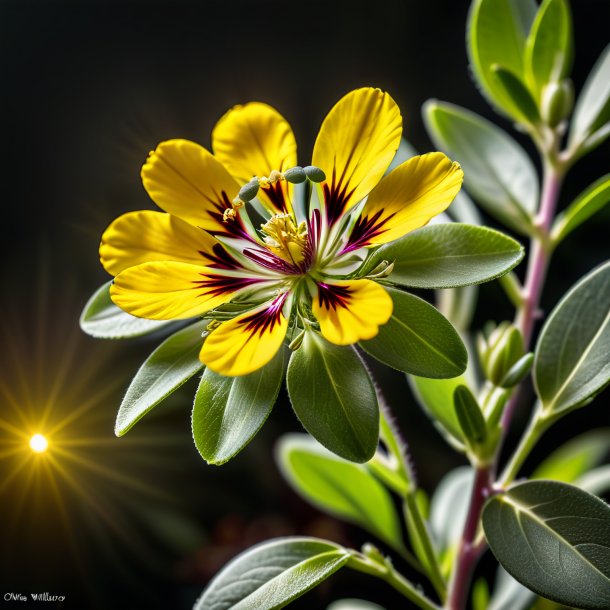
[[248, 342], [162, 290], [357, 142], [252, 140], [186, 180], [406, 199], [349, 311], [139, 237]]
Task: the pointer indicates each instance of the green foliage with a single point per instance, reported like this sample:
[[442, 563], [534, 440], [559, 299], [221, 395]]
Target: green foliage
[[555, 539], [469, 415], [571, 364], [447, 256], [497, 31], [418, 340], [497, 171], [592, 111], [339, 487], [102, 319], [435, 396], [588, 203], [549, 46], [229, 411], [334, 398], [173, 363], [519, 94], [572, 460], [271, 575]]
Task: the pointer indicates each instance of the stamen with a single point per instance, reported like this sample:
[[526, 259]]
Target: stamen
[[285, 239], [296, 175], [249, 190], [229, 214], [315, 174]]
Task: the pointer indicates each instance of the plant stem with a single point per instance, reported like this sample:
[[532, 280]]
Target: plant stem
[[535, 429], [469, 551], [538, 262], [387, 572]]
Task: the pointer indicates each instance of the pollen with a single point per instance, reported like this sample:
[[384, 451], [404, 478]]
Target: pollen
[[229, 214], [284, 238]]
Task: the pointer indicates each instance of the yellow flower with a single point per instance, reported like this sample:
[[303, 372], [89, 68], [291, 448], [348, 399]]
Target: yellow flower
[[204, 256]]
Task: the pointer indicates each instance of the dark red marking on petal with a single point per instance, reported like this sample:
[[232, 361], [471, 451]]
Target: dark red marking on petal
[[216, 285], [365, 229], [336, 197], [277, 196], [331, 296], [271, 261], [233, 227], [219, 258], [265, 320], [314, 231]]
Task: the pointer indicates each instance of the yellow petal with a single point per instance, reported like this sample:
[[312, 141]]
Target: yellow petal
[[356, 144], [246, 343], [253, 140], [162, 290], [407, 198], [349, 311], [143, 236], [186, 180]]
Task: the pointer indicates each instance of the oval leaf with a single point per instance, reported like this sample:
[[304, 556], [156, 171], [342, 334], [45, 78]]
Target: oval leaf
[[334, 398], [272, 574], [589, 202], [448, 255], [593, 106], [548, 50], [519, 94], [174, 362], [498, 172], [418, 340], [229, 411], [102, 319], [343, 489], [554, 539], [571, 364], [497, 31]]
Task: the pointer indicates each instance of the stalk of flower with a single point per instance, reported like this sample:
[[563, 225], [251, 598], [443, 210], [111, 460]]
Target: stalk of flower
[[299, 271]]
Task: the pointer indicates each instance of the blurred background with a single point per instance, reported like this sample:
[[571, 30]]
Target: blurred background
[[88, 89]]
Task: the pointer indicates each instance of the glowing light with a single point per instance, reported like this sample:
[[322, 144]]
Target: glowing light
[[38, 443]]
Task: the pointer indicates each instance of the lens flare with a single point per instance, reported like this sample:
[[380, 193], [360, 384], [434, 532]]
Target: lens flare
[[38, 443]]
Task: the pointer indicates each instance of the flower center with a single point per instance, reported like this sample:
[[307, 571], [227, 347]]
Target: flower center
[[285, 239]]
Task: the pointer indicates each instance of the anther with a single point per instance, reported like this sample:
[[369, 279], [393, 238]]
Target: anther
[[263, 182], [249, 190], [275, 176], [296, 175], [315, 174], [229, 214], [213, 325], [237, 203]]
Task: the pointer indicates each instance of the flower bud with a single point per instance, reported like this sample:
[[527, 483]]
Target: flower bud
[[296, 175], [500, 352], [557, 101], [315, 174]]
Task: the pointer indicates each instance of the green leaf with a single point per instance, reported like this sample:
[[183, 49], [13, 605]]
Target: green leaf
[[519, 94], [592, 109], [469, 415], [418, 339], [588, 203], [497, 31], [102, 319], [498, 172], [549, 46], [447, 256], [554, 539], [576, 457], [334, 398], [353, 604], [448, 511], [174, 362], [272, 574], [571, 364], [343, 489], [435, 396], [229, 411], [596, 481]]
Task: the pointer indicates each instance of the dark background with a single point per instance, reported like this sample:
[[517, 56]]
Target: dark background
[[88, 88]]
